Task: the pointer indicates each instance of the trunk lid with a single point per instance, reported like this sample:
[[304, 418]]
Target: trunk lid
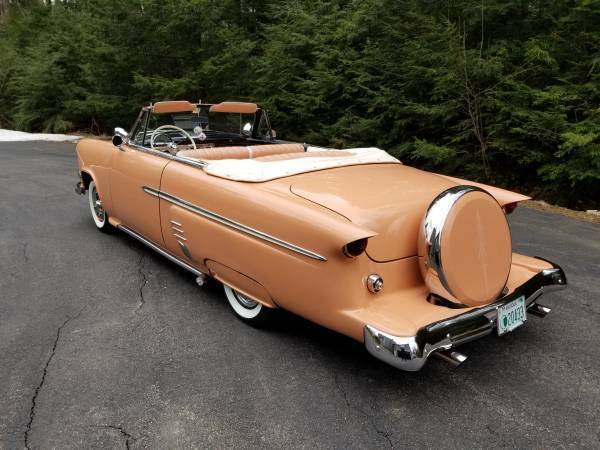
[[389, 199]]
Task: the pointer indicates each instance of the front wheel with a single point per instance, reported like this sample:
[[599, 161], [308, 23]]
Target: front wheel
[[98, 213], [247, 309]]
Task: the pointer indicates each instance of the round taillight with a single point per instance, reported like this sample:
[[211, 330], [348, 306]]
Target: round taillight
[[355, 248]]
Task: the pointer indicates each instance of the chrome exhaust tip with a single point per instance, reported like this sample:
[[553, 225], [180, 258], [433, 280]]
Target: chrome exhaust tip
[[539, 310], [452, 356]]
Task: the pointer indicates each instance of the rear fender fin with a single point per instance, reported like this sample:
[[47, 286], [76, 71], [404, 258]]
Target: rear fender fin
[[502, 196]]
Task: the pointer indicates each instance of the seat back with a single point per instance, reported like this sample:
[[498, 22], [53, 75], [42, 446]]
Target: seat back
[[254, 151], [215, 153], [314, 154]]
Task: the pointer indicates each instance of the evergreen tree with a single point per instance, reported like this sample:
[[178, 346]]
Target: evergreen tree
[[495, 90]]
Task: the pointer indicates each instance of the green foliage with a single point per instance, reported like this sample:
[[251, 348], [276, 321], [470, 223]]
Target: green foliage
[[498, 91]]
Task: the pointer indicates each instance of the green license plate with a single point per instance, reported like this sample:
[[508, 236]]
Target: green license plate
[[511, 315]]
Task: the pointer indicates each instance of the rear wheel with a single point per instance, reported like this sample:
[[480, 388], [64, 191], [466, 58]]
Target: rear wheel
[[247, 309], [99, 215]]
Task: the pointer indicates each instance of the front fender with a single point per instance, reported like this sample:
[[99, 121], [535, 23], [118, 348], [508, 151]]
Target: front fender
[[94, 158]]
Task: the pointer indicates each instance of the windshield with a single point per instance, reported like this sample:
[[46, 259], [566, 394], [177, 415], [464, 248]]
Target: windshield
[[230, 123], [202, 125]]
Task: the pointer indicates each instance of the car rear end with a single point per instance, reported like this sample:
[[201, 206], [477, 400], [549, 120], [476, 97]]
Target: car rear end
[[440, 270]]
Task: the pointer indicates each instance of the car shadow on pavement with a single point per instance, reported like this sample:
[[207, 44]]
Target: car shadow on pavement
[[335, 348]]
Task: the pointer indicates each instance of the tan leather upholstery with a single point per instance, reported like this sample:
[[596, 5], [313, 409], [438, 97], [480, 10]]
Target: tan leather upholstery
[[234, 107], [215, 153], [257, 151], [284, 156], [172, 107], [241, 152]]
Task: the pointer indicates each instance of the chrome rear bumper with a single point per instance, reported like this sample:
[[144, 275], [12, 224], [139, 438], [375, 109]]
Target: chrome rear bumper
[[411, 352]]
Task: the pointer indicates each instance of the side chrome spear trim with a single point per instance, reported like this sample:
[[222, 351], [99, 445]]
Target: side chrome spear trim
[[159, 250], [198, 210]]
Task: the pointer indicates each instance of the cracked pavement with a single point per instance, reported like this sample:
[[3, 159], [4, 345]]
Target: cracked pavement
[[143, 282], [105, 344], [43, 379]]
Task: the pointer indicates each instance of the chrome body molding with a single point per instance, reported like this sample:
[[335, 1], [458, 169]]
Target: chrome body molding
[[411, 352], [151, 191], [159, 250], [431, 231], [185, 250], [232, 224]]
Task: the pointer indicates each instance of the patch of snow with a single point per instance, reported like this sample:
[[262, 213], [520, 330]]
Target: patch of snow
[[20, 136]]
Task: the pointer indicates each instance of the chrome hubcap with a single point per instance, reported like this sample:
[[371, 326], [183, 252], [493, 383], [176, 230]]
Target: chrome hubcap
[[245, 301]]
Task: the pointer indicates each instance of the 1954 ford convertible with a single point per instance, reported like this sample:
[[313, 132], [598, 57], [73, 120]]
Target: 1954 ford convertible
[[408, 262]]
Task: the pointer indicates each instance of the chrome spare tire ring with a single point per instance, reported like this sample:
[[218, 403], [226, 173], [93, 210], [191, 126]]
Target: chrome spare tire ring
[[433, 224], [464, 246]]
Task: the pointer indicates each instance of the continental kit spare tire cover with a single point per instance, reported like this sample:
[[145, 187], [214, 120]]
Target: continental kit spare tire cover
[[465, 246]]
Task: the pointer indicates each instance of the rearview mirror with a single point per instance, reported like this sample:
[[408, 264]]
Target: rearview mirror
[[247, 129], [119, 137]]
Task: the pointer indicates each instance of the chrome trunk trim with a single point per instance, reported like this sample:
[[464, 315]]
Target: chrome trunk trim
[[198, 210], [411, 352], [159, 250]]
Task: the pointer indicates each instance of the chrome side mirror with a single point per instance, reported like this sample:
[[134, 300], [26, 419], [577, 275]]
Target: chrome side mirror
[[119, 137], [247, 129]]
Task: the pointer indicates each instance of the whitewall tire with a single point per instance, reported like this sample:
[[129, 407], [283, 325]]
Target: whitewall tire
[[246, 309], [99, 215]]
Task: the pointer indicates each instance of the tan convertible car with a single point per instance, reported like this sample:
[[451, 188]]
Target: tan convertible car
[[408, 262]]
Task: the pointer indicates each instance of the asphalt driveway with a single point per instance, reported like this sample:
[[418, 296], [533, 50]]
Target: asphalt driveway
[[104, 343]]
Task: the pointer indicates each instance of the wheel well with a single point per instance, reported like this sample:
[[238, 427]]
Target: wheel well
[[87, 179]]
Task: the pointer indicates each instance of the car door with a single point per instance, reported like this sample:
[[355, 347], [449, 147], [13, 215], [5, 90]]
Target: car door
[[135, 172]]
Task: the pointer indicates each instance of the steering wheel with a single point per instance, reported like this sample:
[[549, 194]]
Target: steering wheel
[[160, 129]]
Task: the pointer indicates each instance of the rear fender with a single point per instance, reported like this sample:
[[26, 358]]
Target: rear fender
[[502, 196], [241, 283]]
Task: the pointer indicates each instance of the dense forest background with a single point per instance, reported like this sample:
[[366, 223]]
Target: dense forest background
[[502, 91]]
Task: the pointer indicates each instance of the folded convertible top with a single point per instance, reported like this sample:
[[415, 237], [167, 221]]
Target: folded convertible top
[[259, 170]]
